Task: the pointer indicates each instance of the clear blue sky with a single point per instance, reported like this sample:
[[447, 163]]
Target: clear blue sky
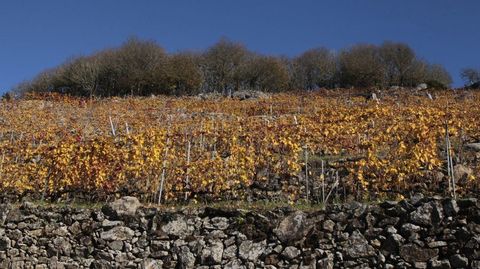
[[35, 35]]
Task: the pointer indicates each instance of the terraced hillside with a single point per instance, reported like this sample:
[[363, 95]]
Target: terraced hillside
[[320, 146]]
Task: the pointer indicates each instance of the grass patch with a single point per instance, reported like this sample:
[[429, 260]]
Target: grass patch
[[72, 204], [243, 205]]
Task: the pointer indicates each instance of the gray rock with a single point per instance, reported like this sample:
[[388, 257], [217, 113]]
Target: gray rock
[[220, 223], [440, 264], [357, 246], [177, 227], [234, 264], [230, 241], [151, 264], [62, 245], [243, 95], [81, 216], [391, 230], [160, 254], [61, 231], [376, 243], [467, 202], [450, 207], [111, 223], [291, 252], [75, 228], [461, 172], [18, 264], [251, 251], [22, 226], [410, 228], [416, 198], [179, 243], [420, 265], [230, 252], [212, 253], [293, 227], [329, 225], [160, 245], [278, 249], [422, 86], [216, 234], [35, 233], [476, 264], [197, 245], [186, 258], [325, 263], [413, 253], [116, 245], [117, 233], [56, 239], [125, 206], [458, 261], [393, 243], [437, 244], [473, 146], [4, 243], [428, 214]]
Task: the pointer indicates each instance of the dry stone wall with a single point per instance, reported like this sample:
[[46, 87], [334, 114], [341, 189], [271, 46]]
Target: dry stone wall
[[416, 233]]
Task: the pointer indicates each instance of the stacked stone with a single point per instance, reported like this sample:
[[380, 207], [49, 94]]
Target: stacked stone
[[416, 233]]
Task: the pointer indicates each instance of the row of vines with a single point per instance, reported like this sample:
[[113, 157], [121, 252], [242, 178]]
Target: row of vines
[[169, 149]]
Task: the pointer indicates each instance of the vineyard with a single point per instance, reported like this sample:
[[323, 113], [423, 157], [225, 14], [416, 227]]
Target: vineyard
[[312, 146]]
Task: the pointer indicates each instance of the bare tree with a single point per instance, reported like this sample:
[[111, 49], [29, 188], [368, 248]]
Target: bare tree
[[46, 81], [416, 74], [143, 67], [470, 76], [264, 73], [314, 68], [81, 76], [399, 60], [138, 62], [222, 61], [361, 66], [183, 76], [437, 76]]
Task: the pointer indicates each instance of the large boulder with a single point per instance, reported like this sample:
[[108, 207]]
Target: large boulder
[[119, 233], [125, 206], [422, 86], [293, 227]]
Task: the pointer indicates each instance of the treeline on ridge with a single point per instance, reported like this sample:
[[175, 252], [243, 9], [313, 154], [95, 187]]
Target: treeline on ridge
[[143, 68]]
